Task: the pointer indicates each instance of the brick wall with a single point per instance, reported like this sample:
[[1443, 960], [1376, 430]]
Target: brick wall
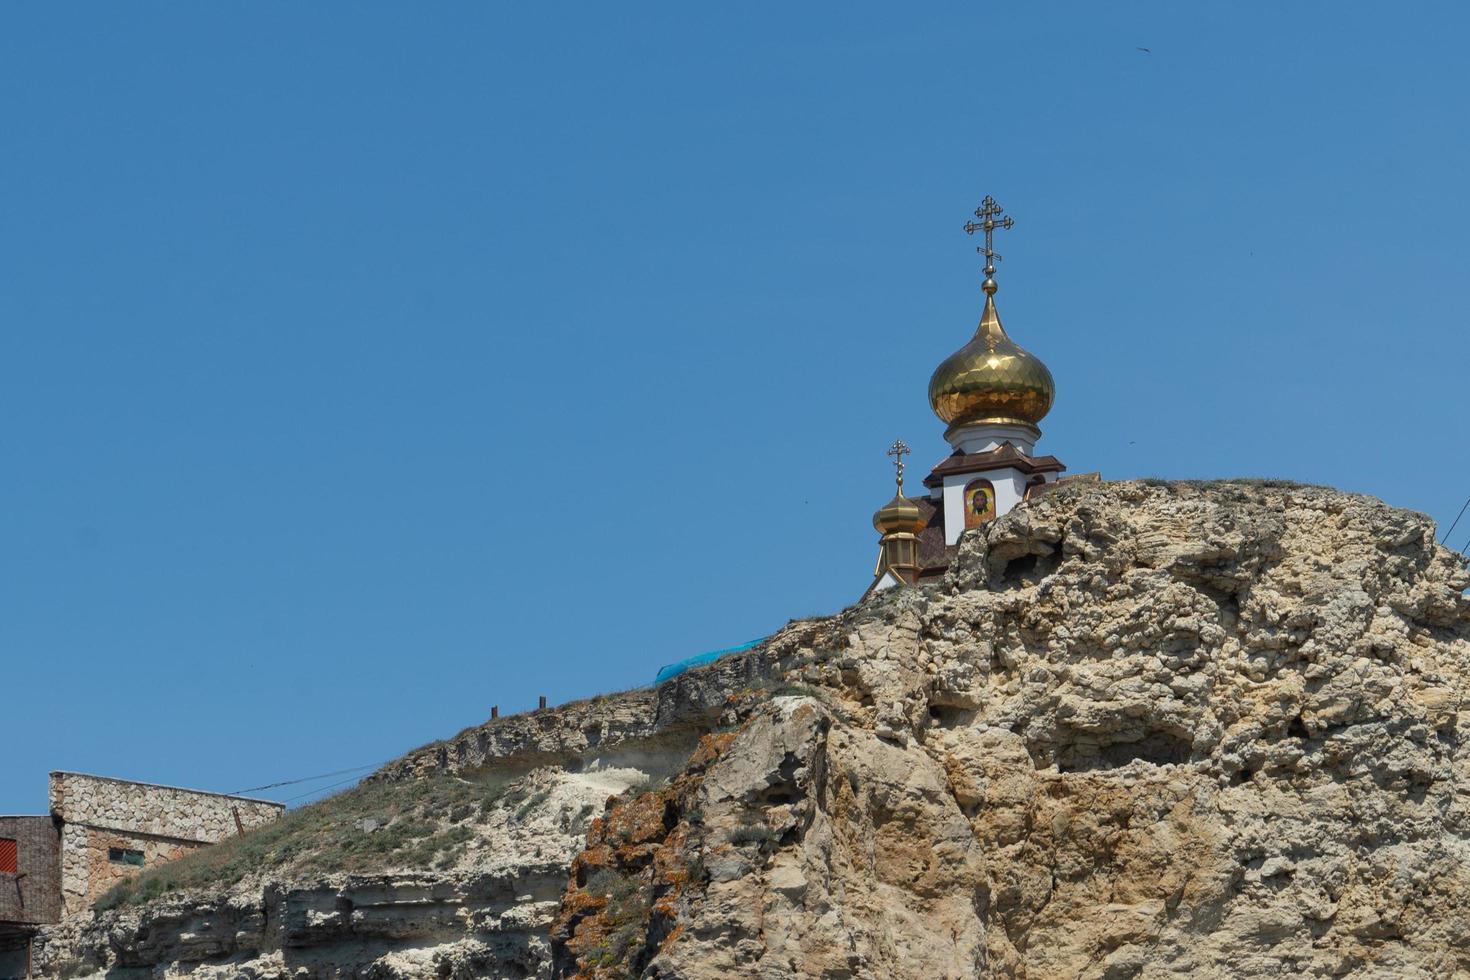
[[32, 895], [163, 822]]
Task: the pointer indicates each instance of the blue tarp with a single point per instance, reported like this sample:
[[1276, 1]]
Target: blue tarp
[[675, 669]]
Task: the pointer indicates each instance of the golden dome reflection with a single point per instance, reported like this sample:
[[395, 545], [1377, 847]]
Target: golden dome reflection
[[991, 379], [899, 515]]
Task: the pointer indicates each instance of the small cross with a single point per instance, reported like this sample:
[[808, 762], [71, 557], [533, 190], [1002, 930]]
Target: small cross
[[988, 212], [898, 451]]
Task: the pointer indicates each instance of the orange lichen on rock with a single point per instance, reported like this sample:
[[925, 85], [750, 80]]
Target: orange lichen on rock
[[627, 887]]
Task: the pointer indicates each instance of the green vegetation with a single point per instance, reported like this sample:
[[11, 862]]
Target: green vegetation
[[1242, 481], [695, 869], [530, 803], [626, 917], [607, 883], [372, 827], [752, 834]]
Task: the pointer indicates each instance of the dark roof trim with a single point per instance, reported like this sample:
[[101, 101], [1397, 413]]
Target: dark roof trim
[[1002, 456]]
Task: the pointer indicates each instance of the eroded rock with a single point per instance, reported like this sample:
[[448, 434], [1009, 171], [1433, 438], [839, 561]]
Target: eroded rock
[[1140, 730]]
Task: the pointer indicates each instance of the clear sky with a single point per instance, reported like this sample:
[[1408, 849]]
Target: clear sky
[[363, 366]]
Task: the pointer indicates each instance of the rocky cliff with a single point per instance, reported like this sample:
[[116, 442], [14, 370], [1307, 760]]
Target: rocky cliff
[[1140, 730]]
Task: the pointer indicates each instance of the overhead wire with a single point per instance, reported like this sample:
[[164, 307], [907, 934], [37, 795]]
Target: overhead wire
[[1456, 521], [304, 779], [319, 789]]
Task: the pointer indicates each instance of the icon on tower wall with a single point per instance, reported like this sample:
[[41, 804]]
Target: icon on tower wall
[[979, 502]]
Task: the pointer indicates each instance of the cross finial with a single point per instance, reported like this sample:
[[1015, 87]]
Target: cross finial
[[898, 451], [989, 214]]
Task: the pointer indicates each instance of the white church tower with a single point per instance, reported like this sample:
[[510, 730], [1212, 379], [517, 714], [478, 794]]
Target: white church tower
[[992, 394]]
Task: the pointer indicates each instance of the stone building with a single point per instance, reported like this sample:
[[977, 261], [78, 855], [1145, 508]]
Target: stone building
[[30, 886], [100, 831], [110, 828]]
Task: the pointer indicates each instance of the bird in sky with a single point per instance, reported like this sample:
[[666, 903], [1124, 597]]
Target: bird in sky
[[1145, 50]]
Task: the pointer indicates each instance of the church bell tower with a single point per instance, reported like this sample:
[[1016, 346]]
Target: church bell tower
[[898, 524]]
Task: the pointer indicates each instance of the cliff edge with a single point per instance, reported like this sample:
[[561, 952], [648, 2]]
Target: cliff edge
[[1139, 730]]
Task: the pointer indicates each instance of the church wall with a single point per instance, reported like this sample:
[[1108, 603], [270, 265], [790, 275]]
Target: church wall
[[1010, 488], [983, 438]]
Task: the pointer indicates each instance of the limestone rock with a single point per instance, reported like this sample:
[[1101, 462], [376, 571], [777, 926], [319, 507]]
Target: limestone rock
[[1140, 730]]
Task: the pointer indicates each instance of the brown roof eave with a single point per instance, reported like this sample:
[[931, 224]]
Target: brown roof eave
[[1002, 458]]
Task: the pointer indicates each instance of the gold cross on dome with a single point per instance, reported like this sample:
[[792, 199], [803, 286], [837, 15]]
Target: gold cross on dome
[[898, 451], [989, 214]]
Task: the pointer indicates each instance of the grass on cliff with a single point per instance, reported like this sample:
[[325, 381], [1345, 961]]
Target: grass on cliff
[[374, 826], [624, 918], [1220, 483]]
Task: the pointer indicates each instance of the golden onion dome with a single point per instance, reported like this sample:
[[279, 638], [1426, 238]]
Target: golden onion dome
[[991, 379], [899, 515]]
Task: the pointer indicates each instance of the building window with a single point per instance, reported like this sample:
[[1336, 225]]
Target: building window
[[125, 855], [979, 503], [9, 856]]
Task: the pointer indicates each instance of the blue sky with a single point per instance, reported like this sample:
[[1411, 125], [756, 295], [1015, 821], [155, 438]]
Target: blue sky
[[363, 366]]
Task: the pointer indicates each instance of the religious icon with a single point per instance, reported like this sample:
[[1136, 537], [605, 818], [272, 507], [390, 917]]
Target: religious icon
[[979, 503]]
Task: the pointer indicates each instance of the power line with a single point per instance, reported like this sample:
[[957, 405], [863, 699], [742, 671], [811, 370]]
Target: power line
[[319, 789], [304, 779], [1457, 520]]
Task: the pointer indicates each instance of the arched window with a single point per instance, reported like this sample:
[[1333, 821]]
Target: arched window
[[979, 502]]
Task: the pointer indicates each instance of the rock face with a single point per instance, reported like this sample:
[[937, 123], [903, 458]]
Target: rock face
[[1140, 730]]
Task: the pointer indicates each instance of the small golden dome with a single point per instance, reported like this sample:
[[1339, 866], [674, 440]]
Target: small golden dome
[[899, 515], [991, 379]]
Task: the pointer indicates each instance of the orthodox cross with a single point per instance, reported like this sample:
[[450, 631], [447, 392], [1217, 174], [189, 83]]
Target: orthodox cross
[[989, 214], [898, 451]]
